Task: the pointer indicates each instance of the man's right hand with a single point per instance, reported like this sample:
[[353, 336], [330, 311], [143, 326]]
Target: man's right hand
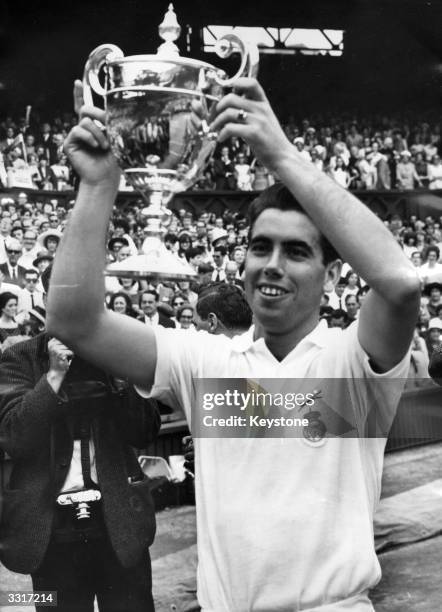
[[87, 145], [60, 356]]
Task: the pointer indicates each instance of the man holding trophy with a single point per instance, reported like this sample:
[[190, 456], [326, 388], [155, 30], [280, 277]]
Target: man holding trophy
[[283, 523]]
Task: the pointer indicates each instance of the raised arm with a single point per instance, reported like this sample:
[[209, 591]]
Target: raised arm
[[390, 310], [76, 313]]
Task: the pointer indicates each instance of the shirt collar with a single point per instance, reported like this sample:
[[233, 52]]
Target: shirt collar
[[317, 336]]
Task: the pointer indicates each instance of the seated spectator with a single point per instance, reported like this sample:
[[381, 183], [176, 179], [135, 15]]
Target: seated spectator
[[434, 293], [435, 173], [8, 312], [340, 174], [433, 339], [431, 270]]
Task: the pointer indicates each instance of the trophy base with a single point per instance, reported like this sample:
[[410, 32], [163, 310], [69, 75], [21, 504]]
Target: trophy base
[[156, 263]]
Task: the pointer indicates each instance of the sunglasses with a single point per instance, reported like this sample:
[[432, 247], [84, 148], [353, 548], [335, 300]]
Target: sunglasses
[[12, 251]]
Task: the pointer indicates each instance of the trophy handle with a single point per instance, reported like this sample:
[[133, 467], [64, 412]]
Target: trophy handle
[[95, 62], [228, 44]]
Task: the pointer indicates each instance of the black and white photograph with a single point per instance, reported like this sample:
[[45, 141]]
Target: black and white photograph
[[221, 306]]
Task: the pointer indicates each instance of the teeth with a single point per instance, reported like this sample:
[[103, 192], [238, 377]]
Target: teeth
[[272, 291]]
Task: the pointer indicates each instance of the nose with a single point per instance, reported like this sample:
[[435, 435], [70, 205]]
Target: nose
[[274, 266]]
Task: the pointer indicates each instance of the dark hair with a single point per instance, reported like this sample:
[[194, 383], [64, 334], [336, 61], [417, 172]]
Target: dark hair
[[182, 308], [279, 197], [221, 248], [129, 309], [193, 252], [31, 271], [181, 296], [123, 224], [432, 248], [5, 297], [229, 304], [150, 292]]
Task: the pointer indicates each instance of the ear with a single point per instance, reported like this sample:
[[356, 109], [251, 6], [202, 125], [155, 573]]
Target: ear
[[332, 274], [213, 322]]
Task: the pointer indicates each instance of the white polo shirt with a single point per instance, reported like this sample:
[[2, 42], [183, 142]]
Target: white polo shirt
[[284, 524]]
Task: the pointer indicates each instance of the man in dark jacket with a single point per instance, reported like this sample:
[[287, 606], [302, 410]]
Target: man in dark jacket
[[149, 301], [77, 514]]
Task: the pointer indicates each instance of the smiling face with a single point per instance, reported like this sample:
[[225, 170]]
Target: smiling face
[[285, 274]]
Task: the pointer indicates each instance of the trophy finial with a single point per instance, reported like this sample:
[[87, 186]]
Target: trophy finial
[[169, 30]]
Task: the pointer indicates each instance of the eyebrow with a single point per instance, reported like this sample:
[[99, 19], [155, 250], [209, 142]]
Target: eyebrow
[[290, 243]]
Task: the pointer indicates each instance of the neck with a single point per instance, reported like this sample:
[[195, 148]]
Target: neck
[[280, 344]]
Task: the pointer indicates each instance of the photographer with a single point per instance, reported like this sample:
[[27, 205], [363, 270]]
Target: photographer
[[78, 514]]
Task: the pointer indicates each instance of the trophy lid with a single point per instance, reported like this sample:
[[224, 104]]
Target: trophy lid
[[169, 30]]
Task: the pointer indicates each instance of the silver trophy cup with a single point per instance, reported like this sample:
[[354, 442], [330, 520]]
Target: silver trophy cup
[[158, 111]]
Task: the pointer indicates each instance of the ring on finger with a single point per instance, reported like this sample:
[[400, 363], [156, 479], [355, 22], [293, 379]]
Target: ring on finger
[[242, 116]]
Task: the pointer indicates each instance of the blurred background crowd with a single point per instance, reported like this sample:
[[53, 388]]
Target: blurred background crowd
[[214, 246], [360, 153]]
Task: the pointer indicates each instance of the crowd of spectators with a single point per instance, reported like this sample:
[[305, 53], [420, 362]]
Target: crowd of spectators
[[368, 153], [214, 246]]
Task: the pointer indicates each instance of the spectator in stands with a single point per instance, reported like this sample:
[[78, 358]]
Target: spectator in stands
[[50, 239], [353, 284], [338, 318], [406, 174], [340, 174], [416, 259], [435, 173], [300, 145], [219, 273], [120, 302], [421, 168], [13, 273], [224, 171], [30, 249], [431, 270], [243, 173], [352, 308], [184, 317], [8, 313], [367, 172], [434, 293], [222, 309], [44, 175], [30, 296], [433, 339], [148, 303]]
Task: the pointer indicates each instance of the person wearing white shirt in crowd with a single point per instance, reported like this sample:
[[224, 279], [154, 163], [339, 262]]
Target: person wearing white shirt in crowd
[[435, 173], [266, 541], [300, 145], [30, 249], [13, 273], [431, 270], [219, 260], [5, 232], [30, 296]]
